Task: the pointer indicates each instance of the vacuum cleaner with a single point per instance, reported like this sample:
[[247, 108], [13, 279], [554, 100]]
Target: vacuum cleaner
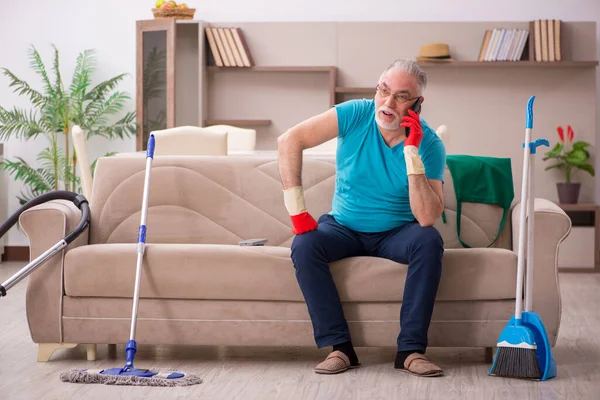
[[80, 202]]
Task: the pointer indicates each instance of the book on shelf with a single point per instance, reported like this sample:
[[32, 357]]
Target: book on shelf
[[228, 47], [547, 40], [501, 44], [543, 37]]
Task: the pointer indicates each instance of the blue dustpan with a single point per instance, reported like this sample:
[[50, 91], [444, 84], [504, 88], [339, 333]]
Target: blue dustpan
[[532, 320]]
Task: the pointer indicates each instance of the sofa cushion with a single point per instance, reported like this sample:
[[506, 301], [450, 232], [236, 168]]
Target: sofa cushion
[[227, 272], [222, 200]]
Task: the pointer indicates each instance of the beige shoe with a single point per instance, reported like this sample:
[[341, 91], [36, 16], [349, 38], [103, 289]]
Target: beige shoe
[[417, 364], [335, 363]]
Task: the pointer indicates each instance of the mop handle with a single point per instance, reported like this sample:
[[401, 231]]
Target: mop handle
[[533, 145], [131, 347]]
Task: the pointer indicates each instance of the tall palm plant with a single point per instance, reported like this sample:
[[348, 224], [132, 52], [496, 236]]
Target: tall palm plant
[[55, 110]]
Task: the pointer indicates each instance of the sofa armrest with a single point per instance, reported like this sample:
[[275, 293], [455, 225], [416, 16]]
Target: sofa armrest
[[552, 226], [45, 225]]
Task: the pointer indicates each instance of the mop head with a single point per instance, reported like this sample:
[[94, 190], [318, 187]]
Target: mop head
[[134, 377]]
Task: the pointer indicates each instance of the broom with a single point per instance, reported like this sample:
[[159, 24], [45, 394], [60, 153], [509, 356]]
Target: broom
[[129, 375], [516, 348], [531, 319]]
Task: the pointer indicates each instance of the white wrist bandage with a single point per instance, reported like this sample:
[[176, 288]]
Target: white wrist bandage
[[294, 200], [414, 165]]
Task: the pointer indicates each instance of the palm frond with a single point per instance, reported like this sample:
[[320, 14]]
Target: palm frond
[[97, 101], [38, 66], [98, 93], [58, 83], [37, 179], [22, 88], [112, 105], [52, 158], [19, 124], [52, 116], [84, 68], [62, 99], [125, 127]]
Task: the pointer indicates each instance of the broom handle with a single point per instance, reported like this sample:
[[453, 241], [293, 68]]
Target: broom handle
[[523, 212], [530, 231], [522, 232]]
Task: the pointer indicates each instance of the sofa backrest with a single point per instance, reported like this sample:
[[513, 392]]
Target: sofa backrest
[[226, 199]]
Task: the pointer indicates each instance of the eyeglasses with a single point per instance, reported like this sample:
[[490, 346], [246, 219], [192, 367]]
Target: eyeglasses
[[402, 98]]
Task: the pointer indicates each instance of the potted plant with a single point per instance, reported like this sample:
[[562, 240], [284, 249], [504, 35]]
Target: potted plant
[[56, 108], [570, 157]]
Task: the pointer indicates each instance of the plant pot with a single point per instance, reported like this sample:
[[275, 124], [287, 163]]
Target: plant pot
[[568, 193]]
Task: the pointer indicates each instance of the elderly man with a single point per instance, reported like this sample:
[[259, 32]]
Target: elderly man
[[388, 195]]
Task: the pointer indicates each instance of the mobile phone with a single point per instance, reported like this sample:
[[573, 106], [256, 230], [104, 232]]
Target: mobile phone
[[416, 108], [254, 242]]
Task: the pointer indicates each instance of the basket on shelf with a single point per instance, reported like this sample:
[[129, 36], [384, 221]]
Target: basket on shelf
[[177, 13]]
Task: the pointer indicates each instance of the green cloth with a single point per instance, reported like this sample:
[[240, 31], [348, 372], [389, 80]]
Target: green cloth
[[479, 179]]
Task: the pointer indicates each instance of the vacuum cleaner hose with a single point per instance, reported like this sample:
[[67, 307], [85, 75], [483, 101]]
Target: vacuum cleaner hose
[[79, 200]]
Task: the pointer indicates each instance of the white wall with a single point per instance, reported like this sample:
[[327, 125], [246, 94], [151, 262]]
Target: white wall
[[109, 27]]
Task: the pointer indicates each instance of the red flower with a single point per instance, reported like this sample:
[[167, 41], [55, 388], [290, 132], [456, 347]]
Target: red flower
[[570, 133], [561, 134]]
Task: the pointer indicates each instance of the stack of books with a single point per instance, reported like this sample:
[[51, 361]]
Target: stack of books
[[228, 47], [546, 40], [503, 45]]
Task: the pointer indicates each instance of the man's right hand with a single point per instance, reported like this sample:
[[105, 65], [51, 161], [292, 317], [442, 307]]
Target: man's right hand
[[302, 221]]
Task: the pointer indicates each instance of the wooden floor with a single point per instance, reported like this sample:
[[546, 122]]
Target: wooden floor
[[286, 373]]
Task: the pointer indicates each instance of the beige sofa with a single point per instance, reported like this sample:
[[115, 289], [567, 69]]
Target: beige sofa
[[200, 287]]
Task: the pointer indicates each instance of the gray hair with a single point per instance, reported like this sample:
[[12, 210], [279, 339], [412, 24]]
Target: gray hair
[[410, 67]]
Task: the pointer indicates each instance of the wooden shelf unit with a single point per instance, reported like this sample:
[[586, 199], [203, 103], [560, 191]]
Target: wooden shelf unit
[[341, 65], [480, 64], [239, 122], [329, 69], [274, 68], [511, 64], [355, 90], [581, 209]]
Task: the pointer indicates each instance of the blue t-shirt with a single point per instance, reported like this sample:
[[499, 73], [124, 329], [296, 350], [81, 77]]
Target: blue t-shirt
[[371, 188]]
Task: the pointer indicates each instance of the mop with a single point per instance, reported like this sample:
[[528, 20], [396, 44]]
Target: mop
[[524, 349], [129, 375]]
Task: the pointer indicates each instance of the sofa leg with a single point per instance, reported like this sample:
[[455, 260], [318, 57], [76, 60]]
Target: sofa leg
[[490, 352], [91, 352], [111, 351], [45, 350]]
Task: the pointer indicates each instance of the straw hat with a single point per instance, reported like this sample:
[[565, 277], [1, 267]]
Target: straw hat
[[434, 52]]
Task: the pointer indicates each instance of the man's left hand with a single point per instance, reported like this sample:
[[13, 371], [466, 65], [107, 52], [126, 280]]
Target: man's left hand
[[414, 165], [413, 122]]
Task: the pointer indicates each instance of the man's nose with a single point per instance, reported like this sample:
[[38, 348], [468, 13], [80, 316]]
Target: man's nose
[[389, 101]]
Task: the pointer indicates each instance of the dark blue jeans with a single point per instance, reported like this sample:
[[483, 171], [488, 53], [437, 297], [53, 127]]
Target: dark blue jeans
[[419, 247]]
